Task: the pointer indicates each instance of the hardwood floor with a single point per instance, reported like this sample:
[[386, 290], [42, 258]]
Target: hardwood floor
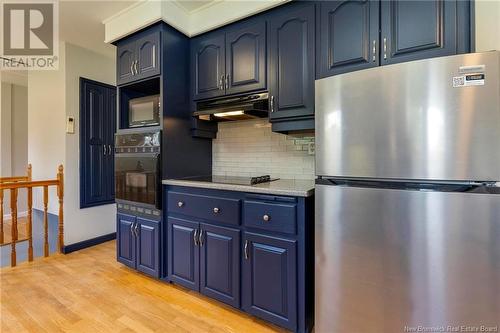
[[88, 291]]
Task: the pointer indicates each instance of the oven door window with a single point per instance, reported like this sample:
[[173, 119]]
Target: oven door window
[[136, 178]]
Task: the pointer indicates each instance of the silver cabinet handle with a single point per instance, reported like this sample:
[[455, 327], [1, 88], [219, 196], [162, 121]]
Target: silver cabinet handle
[[385, 48], [136, 229], [132, 68], [110, 150], [216, 210], [154, 55], [266, 218], [221, 82], [195, 237], [104, 149], [135, 66], [180, 204], [246, 250], [132, 228], [227, 81], [272, 103], [374, 50], [200, 238]]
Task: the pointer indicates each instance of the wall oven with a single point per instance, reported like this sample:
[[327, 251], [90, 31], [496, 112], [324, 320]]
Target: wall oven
[[138, 169]]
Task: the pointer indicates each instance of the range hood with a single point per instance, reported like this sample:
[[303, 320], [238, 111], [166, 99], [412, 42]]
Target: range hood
[[234, 108]]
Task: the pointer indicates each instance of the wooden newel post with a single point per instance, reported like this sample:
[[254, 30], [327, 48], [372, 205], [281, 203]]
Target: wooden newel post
[[60, 195]]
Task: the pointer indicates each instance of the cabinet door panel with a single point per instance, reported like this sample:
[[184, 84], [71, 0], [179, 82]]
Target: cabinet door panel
[[183, 263], [291, 62], [348, 36], [417, 29], [96, 162], [148, 56], [110, 140], [125, 247], [148, 246], [208, 66], [219, 264], [125, 58], [270, 279], [246, 58]]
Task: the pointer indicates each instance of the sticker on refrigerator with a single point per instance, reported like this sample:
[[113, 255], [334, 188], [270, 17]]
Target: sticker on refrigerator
[[468, 80]]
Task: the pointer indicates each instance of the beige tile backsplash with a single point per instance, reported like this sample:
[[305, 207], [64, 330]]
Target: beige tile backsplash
[[250, 148]]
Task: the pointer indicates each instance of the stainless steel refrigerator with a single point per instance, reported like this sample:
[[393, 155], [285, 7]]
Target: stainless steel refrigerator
[[407, 231]]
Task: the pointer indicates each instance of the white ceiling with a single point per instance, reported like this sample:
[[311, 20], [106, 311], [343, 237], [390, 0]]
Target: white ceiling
[[80, 22]]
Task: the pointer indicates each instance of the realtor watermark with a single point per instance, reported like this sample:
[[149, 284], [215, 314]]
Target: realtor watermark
[[30, 35], [450, 328]]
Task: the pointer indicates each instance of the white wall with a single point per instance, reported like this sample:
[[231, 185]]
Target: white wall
[[46, 113], [82, 224], [487, 25], [14, 139], [52, 96]]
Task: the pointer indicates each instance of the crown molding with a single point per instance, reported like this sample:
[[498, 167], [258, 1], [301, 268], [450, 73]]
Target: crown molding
[[191, 23]]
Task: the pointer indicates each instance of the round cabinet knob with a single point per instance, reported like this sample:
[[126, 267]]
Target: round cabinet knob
[[180, 204], [266, 218], [216, 210]]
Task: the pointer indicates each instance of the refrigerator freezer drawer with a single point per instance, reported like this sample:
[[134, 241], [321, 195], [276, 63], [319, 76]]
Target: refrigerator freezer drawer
[[389, 259], [408, 121]]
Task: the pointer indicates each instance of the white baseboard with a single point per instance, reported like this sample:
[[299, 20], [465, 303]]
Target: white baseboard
[[7, 217]]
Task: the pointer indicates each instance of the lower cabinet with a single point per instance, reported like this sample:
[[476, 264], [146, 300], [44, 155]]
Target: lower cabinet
[[138, 243], [269, 280], [205, 258], [254, 252]]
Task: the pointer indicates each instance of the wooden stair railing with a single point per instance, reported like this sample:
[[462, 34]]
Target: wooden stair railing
[[14, 184]]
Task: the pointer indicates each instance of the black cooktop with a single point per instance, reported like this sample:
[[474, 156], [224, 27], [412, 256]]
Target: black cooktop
[[233, 180]]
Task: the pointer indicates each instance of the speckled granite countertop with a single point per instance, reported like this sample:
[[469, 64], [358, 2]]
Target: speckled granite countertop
[[290, 187]]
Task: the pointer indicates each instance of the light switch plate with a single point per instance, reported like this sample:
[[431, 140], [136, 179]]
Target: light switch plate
[[70, 125]]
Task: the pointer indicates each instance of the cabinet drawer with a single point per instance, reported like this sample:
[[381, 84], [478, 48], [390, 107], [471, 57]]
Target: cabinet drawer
[[279, 217], [218, 209]]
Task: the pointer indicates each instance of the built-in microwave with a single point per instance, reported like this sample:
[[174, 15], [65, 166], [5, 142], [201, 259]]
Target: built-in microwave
[[144, 111]]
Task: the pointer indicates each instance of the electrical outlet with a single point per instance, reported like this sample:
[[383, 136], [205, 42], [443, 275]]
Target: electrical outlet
[[311, 148]]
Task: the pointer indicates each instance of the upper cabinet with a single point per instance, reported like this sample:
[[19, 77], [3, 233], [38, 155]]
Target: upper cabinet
[[412, 30], [138, 57], [229, 62], [246, 59], [291, 64], [349, 39], [348, 36], [208, 66]]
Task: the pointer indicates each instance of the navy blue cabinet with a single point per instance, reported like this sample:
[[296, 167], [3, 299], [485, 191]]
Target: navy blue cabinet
[[412, 30], [138, 243], [125, 239], [208, 66], [138, 57], [359, 34], [183, 252], [348, 36], [246, 58], [148, 246], [220, 263], [231, 62], [97, 128], [291, 65], [259, 258], [269, 280]]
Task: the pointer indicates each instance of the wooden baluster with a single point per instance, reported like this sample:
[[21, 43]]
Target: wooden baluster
[[13, 212], [30, 223], [1, 216], [60, 195], [45, 221]]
